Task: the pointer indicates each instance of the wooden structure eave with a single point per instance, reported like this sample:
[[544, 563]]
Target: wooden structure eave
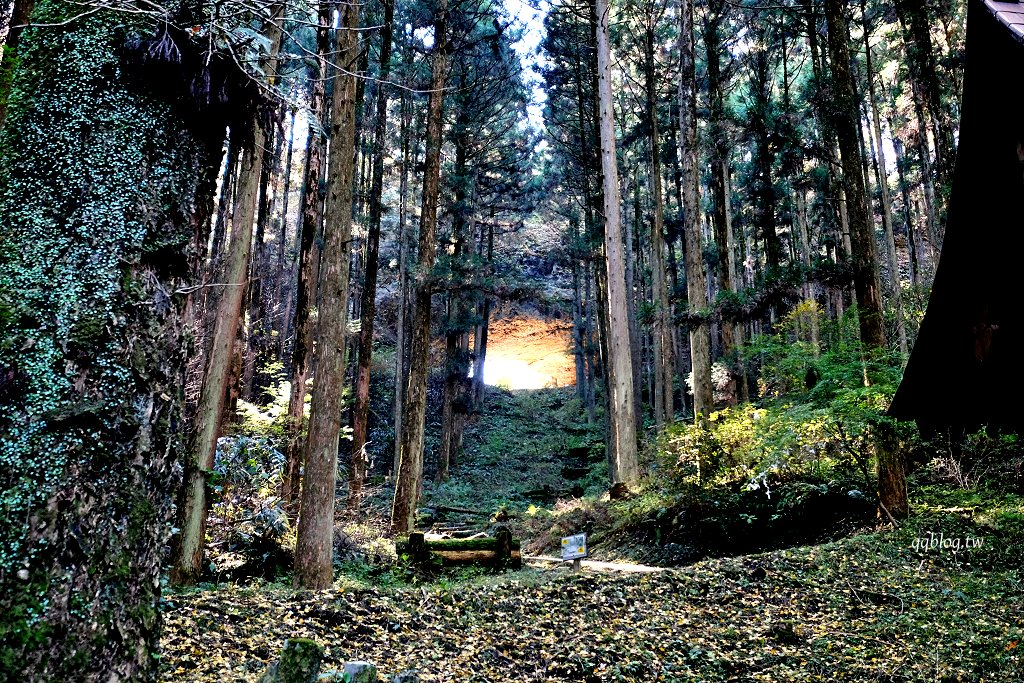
[[967, 367]]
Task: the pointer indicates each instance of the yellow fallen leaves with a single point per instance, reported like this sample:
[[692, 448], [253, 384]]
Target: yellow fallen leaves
[[805, 614]]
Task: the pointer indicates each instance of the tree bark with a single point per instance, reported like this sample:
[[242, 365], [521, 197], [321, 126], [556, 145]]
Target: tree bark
[[192, 510], [314, 543], [896, 287], [865, 274], [931, 199], [104, 189], [361, 412], [410, 470], [862, 239], [696, 288], [283, 269], [662, 332], [622, 452], [404, 254], [913, 15], [308, 272], [805, 254]]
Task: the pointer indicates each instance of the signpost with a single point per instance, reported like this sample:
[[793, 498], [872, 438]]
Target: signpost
[[574, 548]]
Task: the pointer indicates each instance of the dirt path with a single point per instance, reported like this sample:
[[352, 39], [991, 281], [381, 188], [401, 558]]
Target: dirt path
[[550, 562]]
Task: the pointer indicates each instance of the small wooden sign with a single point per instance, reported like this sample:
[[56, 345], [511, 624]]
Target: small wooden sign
[[574, 547]]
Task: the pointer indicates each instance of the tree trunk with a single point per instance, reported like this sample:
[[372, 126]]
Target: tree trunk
[[404, 249], [282, 292], [410, 469], [663, 362], [254, 348], [456, 356], [883, 184], [696, 288], [95, 255], [308, 272], [578, 330], [927, 174], [732, 333], [192, 510], [226, 202], [622, 451], [805, 254], [865, 274], [361, 412], [908, 216], [633, 259], [913, 16], [862, 239], [314, 543]]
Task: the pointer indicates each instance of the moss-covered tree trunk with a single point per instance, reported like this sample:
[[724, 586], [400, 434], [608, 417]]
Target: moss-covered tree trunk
[[98, 206], [21, 14]]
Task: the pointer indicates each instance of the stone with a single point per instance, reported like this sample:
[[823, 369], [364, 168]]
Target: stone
[[406, 677], [299, 663], [360, 672]]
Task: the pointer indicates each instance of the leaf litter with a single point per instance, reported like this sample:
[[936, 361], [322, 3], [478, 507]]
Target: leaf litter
[[865, 608]]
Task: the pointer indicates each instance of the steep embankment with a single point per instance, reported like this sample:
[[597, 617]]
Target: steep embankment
[[527, 352]]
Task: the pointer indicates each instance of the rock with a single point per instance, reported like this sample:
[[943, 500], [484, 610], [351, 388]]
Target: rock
[[299, 663], [406, 677], [360, 672]]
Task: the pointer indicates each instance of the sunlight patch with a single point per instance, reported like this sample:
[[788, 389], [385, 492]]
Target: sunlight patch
[[514, 374]]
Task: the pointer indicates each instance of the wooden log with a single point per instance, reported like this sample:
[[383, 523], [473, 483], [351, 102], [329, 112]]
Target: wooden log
[[461, 511], [481, 557], [501, 550]]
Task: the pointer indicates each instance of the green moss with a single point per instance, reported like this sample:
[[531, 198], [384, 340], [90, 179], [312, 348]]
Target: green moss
[[89, 169], [300, 661]]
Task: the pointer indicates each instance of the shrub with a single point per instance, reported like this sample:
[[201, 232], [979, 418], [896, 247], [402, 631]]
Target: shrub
[[985, 457]]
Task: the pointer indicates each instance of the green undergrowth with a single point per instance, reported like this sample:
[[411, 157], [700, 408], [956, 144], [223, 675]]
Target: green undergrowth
[[516, 454], [881, 605]]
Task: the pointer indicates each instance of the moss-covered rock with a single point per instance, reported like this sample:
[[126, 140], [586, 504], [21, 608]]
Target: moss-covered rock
[[92, 169], [299, 663]]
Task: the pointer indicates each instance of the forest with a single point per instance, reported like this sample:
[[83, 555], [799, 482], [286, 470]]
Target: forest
[[511, 340]]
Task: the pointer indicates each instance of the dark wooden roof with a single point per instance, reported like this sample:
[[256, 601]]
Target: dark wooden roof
[[1011, 14], [967, 367]]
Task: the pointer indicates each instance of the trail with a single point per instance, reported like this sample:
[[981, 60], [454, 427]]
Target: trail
[[546, 562]]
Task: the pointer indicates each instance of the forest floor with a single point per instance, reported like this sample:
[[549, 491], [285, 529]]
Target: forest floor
[[875, 604]]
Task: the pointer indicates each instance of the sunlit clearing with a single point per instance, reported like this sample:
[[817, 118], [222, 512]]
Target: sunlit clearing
[[514, 374]]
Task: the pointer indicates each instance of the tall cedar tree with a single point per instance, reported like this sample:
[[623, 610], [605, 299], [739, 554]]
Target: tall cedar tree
[[308, 270], [361, 413], [314, 542], [194, 503], [410, 466], [892, 488], [623, 465], [696, 283]]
